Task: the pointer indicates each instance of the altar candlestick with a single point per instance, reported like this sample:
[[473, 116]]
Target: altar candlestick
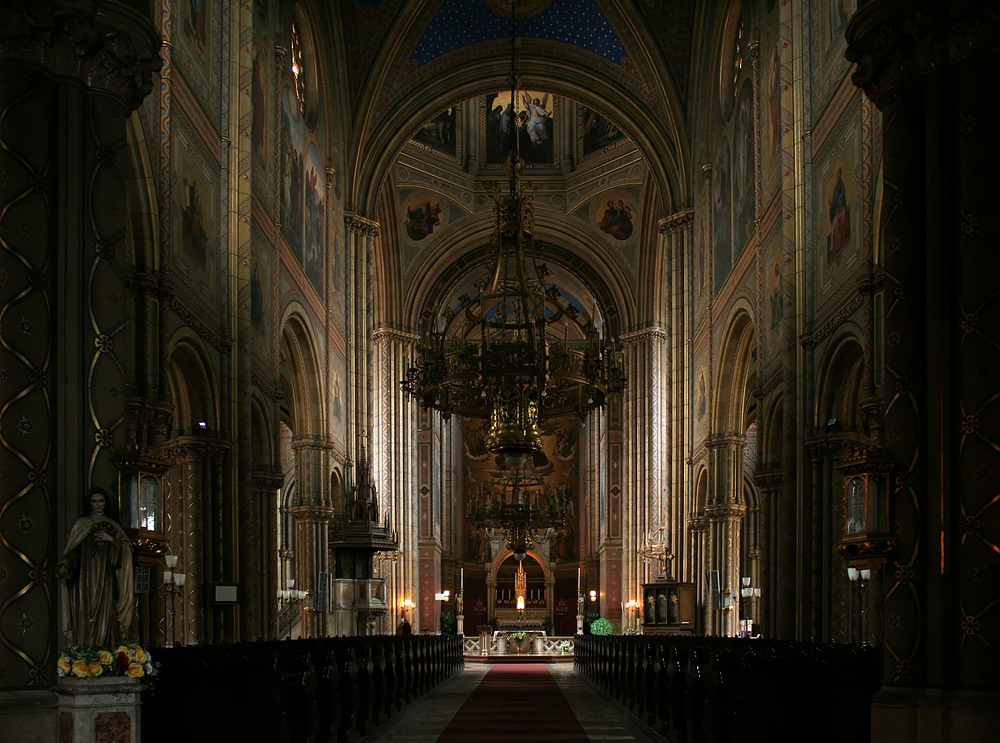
[[578, 577], [461, 584]]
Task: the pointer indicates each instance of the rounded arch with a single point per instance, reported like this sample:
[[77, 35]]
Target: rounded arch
[[300, 374], [263, 433], [447, 267], [502, 557], [771, 438], [737, 372], [191, 385], [378, 141], [839, 387], [701, 488]]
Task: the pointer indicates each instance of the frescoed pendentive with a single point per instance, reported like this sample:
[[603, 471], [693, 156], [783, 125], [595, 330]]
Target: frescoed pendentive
[[616, 214], [531, 116], [303, 190], [424, 214]]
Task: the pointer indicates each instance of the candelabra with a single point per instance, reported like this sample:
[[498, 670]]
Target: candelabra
[[173, 586], [859, 584], [749, 593], [288, 598]]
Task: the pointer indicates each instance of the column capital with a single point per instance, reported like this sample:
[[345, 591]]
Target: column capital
[[313, 514], [391, 334], [676, 222], [898, 43], [106, 46], [361, 225]]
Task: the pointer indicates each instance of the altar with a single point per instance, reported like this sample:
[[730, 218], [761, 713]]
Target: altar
[[519, 642]]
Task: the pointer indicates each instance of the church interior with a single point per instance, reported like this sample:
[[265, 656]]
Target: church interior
[[247, 248]]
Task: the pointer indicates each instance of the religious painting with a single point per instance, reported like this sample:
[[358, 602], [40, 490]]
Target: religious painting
[[618, 215], [258, 103], [558, 465], [597, 131], [722, 222], [195, 196], [837, 229], [422, 216], [335, 243], [773, 82], [530, 116], [744, 172], [701, 400], [196, 36], [195, 21], [440, 134], [701, 264], [834, 17], [776, 300], [829, 24], [303, 193]]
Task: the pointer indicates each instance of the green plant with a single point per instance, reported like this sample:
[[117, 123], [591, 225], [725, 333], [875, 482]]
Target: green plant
[[602, 627], [447, 623]]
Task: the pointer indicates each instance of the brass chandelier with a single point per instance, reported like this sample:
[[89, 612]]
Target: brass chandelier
[[508, 355]]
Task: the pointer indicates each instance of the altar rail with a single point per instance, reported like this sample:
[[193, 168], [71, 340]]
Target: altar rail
[[713, 689], [499, 644], [320, 689]]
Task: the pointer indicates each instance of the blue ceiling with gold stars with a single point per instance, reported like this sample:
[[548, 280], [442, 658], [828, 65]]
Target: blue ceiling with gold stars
[[462, 23]]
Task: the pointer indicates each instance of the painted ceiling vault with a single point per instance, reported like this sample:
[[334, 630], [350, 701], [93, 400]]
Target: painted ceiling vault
[[429, 84]]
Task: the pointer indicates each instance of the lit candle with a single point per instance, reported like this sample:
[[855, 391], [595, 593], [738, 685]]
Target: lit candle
[[579, 571], [461, 579]]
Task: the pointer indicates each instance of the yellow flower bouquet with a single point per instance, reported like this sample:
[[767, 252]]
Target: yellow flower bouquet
[[89, 661]]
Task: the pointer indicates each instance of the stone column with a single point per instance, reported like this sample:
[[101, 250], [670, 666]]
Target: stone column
[[313, 511], [676, 231], [767, 575], [646, 510], [70, 76], [394, 451], [259, 555], [361, 237], [929, 68], [725, 515]]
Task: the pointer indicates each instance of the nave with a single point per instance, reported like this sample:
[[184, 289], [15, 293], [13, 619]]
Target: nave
[[514, 703]]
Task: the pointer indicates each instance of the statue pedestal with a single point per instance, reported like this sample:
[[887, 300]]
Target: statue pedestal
[[99, 709]]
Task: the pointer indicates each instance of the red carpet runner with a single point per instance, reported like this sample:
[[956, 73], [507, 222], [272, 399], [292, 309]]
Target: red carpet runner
[[515, 703]]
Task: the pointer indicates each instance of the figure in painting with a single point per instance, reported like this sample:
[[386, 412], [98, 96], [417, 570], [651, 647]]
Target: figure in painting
[[257, 104], [702, 397], [840, 220], [421, 220], [196, 22], [617, 220], [193, 232], [777, 311], [96, 577], [537, 115]]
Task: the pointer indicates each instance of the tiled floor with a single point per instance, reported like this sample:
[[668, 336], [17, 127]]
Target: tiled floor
[[602, 718]]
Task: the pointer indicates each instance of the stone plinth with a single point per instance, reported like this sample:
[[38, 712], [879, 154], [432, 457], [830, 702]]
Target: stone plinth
[[99, 709]]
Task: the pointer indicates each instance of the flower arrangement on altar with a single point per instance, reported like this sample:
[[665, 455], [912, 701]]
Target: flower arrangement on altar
[[518, 637], [90, 661], [601, 626]]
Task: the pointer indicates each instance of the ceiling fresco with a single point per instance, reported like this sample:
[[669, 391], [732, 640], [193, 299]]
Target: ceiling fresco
[[462, 23]]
